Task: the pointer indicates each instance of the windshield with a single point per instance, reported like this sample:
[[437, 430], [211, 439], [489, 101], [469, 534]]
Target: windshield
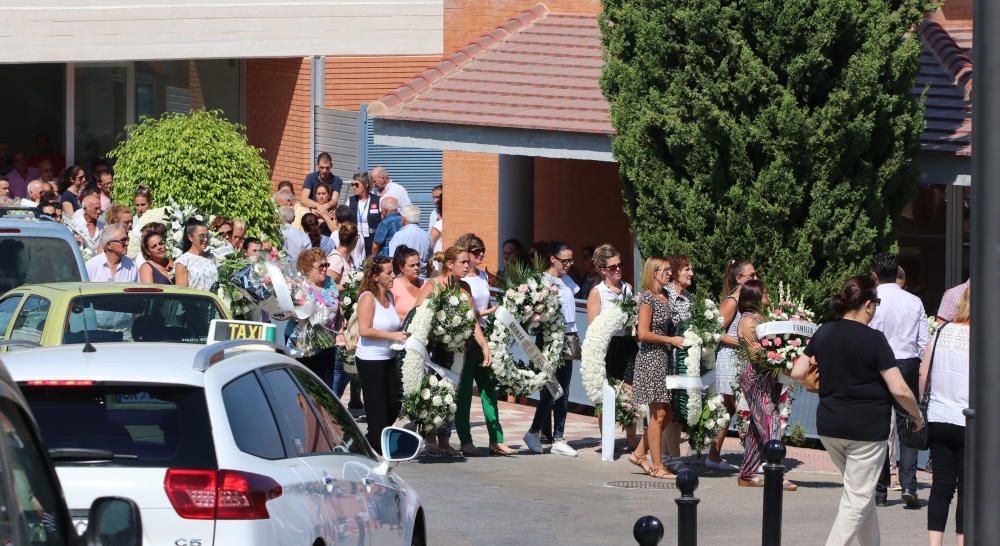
[[140, 316], [124, 425], [34, 260]]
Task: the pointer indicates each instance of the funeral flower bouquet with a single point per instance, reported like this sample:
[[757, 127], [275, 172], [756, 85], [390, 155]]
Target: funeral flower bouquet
[[702, 333], [434, 404], [454, 319], [175, 216], [781, 350], [712, 419], [240, 306], [349, 292]]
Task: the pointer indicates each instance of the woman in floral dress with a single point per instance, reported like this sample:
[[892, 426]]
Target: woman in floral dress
[[651, 364], [680, 311], [193, 269]]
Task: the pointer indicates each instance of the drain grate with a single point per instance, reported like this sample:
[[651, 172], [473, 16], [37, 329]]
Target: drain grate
[[642, 484]]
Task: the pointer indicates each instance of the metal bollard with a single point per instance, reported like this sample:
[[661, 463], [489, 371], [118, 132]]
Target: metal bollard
[[687, 508], [774, 478], [648, 531]]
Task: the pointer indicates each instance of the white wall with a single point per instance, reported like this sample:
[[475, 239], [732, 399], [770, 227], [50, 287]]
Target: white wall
[[115, 30]]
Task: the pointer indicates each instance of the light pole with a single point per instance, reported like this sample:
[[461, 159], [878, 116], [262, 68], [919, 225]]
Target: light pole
[[982, 476]]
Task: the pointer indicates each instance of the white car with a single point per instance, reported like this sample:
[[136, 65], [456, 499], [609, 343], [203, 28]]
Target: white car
[[217, 445]]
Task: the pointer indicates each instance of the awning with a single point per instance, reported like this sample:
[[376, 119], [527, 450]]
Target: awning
[[121, 30]]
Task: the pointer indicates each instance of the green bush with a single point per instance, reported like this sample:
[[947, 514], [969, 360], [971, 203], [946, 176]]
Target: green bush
[[781, 131], [199, 158], [797, 436]]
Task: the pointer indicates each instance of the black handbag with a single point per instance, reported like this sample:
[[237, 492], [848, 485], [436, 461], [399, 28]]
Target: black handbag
[[907, 436]]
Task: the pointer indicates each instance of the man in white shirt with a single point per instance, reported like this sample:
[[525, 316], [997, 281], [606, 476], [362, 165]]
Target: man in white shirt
[[436, 194], [35, 190], [412, 236], [901, 317], [113, 265], [388, 188], [295, 241], [88, 226]]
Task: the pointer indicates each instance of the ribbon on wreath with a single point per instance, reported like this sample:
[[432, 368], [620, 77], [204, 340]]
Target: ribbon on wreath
[[414, 344], [675, 382], [527, 344], [781, 327]]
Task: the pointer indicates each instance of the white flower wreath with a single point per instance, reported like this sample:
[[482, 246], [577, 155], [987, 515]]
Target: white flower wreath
[[593, 372], [427, 401], [701, 336], [534, 305]]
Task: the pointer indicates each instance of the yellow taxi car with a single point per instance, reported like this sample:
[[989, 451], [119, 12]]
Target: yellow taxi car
[[83, 312]]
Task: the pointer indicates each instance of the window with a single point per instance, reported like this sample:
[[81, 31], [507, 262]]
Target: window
[[125, 425], [40, 513], [31, 319], [297, 420], [250, 418], [343, 434], [7, 308], [140, 316], [34, 260]]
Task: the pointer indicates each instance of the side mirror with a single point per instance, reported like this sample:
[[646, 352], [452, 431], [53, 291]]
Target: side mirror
[[113, 521], [399, 444]]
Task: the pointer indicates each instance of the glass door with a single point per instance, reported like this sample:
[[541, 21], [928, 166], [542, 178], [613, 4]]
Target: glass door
[[100, 110]]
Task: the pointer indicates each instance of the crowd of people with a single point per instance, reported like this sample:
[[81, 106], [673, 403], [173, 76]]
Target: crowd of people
[[882, 373]]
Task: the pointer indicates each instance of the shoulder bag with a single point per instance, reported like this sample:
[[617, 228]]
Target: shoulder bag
[[918, 439]]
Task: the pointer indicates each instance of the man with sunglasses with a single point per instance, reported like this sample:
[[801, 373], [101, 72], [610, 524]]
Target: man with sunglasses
[[113, 265], [901, 317]]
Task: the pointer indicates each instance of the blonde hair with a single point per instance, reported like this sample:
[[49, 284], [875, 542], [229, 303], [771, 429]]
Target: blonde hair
[[963, 309], [649, 271], [450, 256], [468, 241], [604, 253]]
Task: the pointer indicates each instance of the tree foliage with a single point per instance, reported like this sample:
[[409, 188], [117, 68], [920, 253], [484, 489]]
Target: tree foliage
[[781, 131], [198, 158]]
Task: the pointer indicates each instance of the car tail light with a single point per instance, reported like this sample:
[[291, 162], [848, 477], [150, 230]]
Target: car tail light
[[10, 230], [61, 383], [220, 494], [142, 290]]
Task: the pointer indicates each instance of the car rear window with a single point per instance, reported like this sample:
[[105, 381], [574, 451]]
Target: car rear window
[[141, 425], [34, 260], [140, 316]]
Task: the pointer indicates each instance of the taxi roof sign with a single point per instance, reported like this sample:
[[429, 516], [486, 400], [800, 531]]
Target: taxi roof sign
[[228, 330]]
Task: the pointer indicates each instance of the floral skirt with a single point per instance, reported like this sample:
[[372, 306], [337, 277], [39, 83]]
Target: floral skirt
[[650, 384]]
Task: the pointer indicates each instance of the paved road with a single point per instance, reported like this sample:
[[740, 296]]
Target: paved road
[[549, 499]]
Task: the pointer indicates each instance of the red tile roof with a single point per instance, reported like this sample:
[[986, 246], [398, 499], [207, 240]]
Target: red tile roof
[[538, 71], [946, 75], [541, 71]]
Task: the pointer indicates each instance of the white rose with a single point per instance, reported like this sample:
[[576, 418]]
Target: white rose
[[532, 284], [470, 315], [453, 408], [439, 330], [453, 300], [433, 381], [423, 414], [456, 320], [425, 394], [447, 384], [448, 399], [708, 315], [440, 315], [438, 420], [446, 338], [436, 400], [347, 300]]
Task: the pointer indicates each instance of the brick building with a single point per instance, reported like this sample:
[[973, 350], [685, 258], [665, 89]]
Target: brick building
[[517, 108]]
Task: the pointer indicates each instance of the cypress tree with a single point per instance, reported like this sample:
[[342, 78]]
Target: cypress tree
[[781, 131]]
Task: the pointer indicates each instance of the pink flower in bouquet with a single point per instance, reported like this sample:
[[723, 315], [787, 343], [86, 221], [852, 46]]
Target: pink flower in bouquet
[[766, 342], [267, 280], [794, 342], [771, 355], [777, 342], [523, 289], [536, 318]]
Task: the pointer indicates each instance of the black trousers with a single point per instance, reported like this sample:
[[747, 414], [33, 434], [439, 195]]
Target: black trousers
[[321, 364], [947, 445], [910, 368], [383, 396]]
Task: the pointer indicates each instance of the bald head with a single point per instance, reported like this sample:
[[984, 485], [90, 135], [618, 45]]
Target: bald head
[[91, 205], [380, 177], [390, 204], [35, 190]]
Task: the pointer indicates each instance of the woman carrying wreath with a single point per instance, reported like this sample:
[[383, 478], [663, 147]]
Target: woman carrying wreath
[[379, 329], [620, 357], [479, 288], [652, 362], [726, 360], [455, 267], [680, 310], [313, 265], [759, 385]]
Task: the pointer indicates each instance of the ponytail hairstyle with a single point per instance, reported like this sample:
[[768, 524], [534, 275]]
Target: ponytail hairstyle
[[190, 226], [856, 292], [373, 267], [602, 254], [752, 297], [450, 256], [729, 274], [399, 258]]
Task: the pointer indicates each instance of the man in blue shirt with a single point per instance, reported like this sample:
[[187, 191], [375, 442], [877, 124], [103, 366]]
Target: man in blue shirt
[[323, 173], [390, 224]]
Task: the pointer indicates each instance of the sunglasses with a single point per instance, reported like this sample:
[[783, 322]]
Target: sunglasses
[[355, 184], [615, 267], [226, 233], [477, 251], [322, 266], [566, 262], [203, 237], [141, 189], [121, 241], [81, 177]]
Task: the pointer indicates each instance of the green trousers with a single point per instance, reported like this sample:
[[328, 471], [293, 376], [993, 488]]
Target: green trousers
[[472, 369]]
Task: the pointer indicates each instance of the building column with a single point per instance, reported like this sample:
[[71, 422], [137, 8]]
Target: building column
[[516, 209], [471, 199]]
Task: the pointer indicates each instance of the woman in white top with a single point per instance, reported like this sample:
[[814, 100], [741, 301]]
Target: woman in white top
[[193, 269], [379, 329], [455, 269], [479, 287], [437, 226], [340, 259], [619, 361], [947, 361]]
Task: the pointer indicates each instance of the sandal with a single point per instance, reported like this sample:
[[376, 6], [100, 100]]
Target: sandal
[[755, 482], [789, 486], [662, 473], [501, 450], [432, 450], [642, 463], [470, 450], [449, 451]]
